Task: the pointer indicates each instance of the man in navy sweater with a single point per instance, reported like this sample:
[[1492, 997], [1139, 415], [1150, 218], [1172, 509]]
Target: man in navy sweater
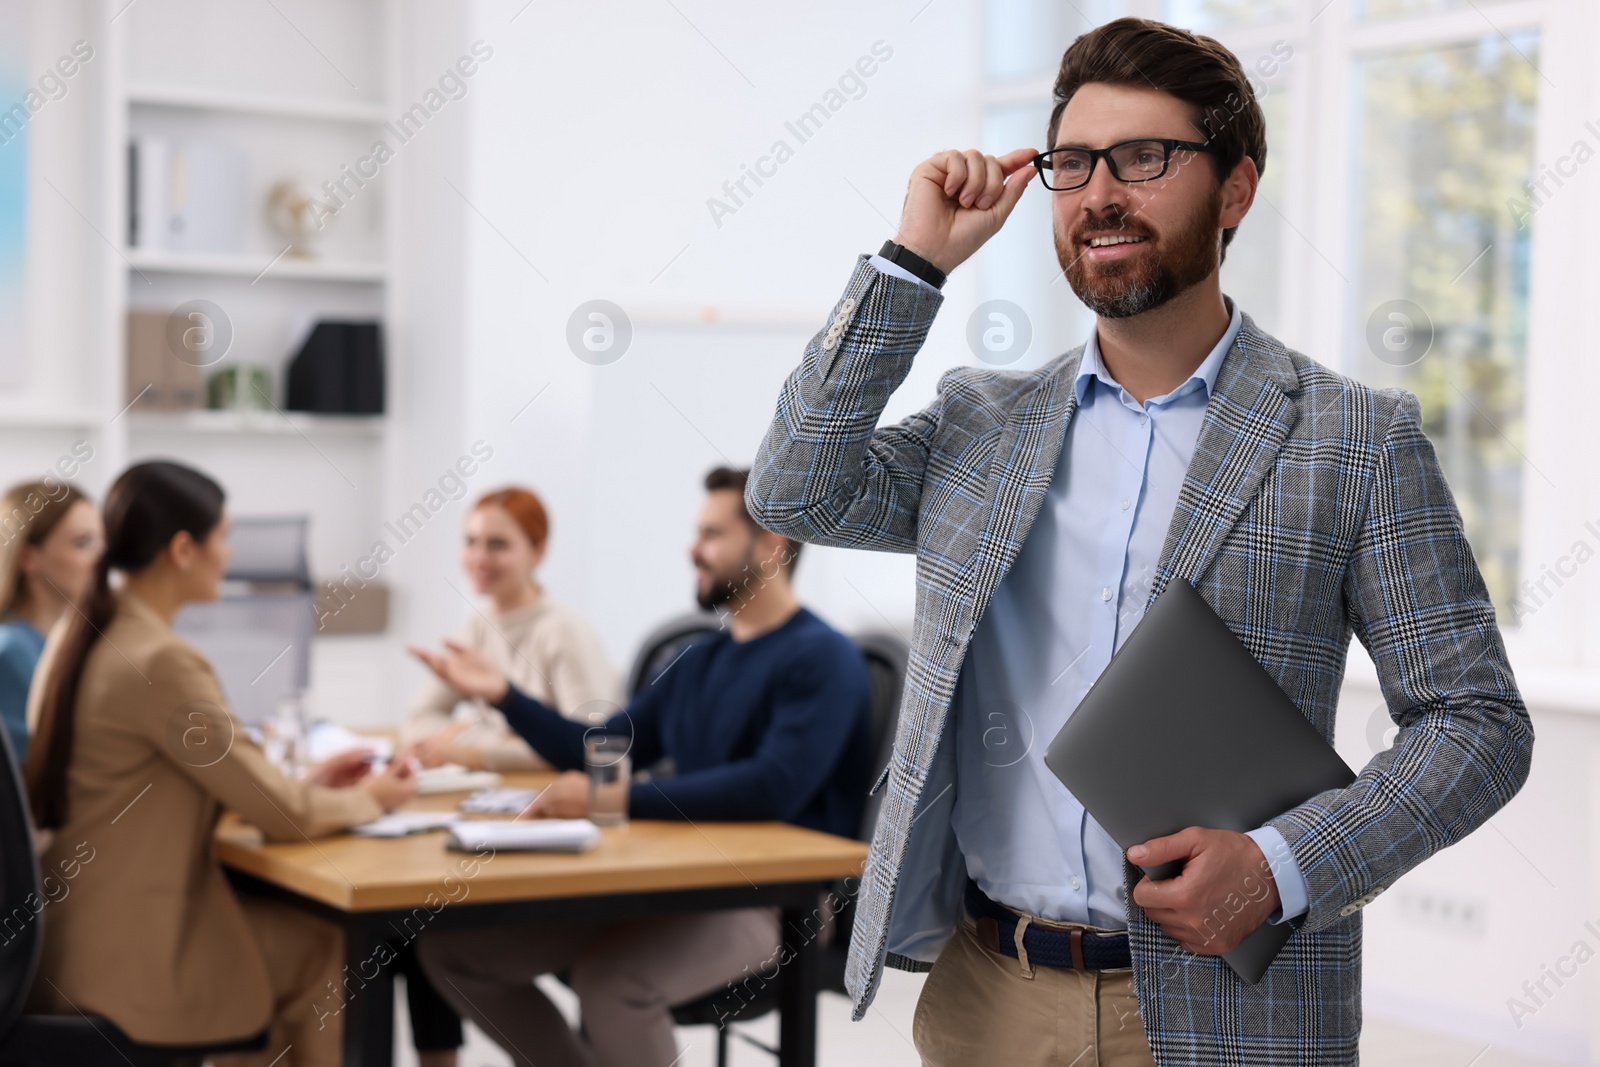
[[770, 719]]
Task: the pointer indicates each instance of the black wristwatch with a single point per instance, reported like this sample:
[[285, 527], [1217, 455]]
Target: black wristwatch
[[901, 256]]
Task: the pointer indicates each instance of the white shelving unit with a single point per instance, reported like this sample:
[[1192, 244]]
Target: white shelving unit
[[298, 121], [255, 268], [247, 103], [297, 88], [262, 423]]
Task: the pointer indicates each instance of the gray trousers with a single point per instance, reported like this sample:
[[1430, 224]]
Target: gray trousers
[[627, 975]]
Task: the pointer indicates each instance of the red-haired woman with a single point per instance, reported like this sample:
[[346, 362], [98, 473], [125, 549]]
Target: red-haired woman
[[544, 647]]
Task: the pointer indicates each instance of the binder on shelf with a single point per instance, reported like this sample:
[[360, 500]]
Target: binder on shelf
[[185, 196], [339, 370]]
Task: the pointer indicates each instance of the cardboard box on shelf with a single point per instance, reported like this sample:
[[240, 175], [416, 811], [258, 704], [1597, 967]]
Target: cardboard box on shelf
[[157, 379]]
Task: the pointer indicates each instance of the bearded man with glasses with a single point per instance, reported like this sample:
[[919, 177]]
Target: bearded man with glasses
[[1047, 509]]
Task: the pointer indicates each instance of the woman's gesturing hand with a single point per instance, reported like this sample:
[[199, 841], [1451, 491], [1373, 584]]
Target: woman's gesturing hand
[[466, 670]]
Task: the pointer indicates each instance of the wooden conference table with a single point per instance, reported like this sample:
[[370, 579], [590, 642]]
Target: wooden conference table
[[390, 890]]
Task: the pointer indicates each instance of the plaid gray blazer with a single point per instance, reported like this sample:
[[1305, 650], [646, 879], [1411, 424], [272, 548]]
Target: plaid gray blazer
[[1313, 507]]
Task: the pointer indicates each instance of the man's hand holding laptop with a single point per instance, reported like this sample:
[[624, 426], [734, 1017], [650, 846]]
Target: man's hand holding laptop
[[1225, 891]]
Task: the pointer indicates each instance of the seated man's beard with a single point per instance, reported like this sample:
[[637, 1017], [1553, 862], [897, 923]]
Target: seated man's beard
[[1163, 267], [735, 590], [718, 592]]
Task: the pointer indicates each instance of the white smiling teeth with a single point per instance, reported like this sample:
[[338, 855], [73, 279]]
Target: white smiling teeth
[[1102, 242]]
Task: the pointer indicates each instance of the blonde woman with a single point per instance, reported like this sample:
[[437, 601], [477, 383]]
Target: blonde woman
[[50, 540], [537, 642]]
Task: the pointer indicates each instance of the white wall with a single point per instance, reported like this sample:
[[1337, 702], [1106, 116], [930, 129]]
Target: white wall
[[599, 135], [1452, 942], [62, 256], [368, 679]]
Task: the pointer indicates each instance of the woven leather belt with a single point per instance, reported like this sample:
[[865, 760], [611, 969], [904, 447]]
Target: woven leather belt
[[1047, 946]]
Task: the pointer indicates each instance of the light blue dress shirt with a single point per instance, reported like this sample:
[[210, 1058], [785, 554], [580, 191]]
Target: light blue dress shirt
[[1075, 591]]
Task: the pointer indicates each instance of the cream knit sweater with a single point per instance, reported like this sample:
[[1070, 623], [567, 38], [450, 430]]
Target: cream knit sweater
[[549, 652]]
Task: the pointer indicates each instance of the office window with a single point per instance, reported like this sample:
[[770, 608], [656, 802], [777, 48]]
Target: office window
[[1383, 9], [1023, 44], [1444, 142], [1019, 265], [1025, 38], [1208, 15], [1252, 273]]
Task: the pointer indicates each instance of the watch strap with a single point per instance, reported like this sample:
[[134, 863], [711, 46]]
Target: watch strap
[[903, 257]]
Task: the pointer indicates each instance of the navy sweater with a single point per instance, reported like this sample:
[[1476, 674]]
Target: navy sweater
[[777, 727]]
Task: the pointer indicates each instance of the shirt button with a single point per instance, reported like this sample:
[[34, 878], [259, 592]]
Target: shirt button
[[1105, 594], [1074, 883], [1143, 419], [1125, 503]]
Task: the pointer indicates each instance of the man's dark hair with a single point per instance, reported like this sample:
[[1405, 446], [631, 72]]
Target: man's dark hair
[[735, 479], [1198, 70]]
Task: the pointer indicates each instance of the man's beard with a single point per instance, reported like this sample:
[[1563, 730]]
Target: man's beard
[[1147, 279], [724, 589], [718, 593]]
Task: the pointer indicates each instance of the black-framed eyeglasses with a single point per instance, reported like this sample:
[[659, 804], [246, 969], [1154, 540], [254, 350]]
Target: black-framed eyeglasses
[[1142, 159]]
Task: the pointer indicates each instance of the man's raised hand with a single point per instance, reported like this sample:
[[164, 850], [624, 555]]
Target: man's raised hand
[[958, 200]]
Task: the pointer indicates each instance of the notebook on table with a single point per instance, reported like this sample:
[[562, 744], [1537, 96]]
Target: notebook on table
[[1185, 728]]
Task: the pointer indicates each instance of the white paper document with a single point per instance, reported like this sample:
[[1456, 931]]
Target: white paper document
[[401, 823], [499, 801], [537, 835], [454, 778]]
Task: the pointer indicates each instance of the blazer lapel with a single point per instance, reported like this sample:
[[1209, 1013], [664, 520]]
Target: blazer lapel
[[1246, 421], [1019, 474]]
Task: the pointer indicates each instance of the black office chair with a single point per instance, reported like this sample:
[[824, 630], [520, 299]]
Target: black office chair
[[39, 1040], [659, 650], [886, 656], [662, 646]]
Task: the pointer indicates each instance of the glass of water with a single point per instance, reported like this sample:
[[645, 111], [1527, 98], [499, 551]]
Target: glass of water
[[285, 738], [606, 758]]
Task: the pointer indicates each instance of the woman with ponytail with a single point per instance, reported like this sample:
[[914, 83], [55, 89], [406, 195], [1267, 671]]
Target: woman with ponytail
[[134, 757]]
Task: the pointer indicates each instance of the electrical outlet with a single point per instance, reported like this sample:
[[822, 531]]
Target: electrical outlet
[[1445, 912]]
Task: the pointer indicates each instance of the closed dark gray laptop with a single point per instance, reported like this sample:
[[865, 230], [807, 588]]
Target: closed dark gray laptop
[[1184, 728]]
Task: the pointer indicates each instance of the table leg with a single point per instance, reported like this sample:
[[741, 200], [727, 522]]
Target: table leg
[[369, 1009], [797, 991]]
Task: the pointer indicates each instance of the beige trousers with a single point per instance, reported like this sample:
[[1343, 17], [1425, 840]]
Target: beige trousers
[[980, 1007], [303, 954], [628, 976]]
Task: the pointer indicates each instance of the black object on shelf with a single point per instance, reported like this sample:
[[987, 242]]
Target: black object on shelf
[[339, 370]]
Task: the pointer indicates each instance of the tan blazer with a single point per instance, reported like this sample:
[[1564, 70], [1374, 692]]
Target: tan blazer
[[145, 929]]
